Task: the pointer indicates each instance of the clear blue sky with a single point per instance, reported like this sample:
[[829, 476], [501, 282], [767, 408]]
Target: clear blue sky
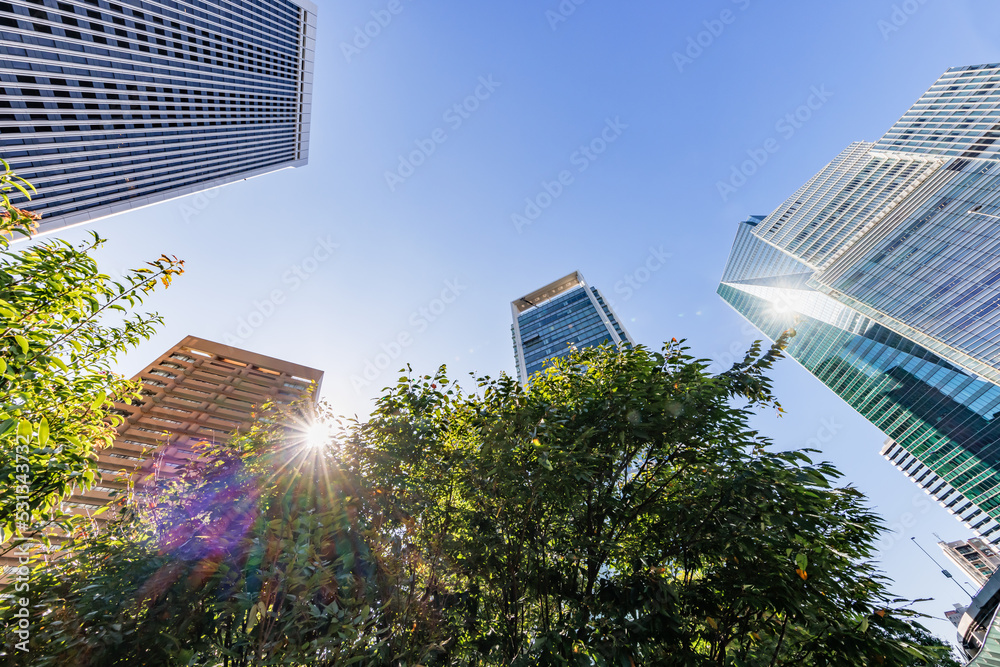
[[553, 86]]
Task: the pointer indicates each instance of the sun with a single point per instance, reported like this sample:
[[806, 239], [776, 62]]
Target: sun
[[318, 435]]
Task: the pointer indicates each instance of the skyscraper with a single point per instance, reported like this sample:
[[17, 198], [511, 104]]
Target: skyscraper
[[197, 391], [565, 313], [110, 106], [887, 265]]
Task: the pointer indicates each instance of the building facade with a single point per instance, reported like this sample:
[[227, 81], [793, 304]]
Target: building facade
[[111, 106], [976, 558], [565, 314], [886, 264], [197, 391]]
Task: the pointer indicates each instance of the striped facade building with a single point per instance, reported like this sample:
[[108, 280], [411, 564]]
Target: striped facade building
[[107, 106]]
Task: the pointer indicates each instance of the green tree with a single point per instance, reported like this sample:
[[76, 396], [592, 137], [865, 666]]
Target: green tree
[[256, 556], [619, 510], [62, 325]]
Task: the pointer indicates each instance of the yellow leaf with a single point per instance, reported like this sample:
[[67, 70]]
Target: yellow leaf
[[801, 573], [711, 622]]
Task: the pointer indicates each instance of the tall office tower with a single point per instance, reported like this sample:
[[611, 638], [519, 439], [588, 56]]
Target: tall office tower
[[887, 265], [111, 106], [974, 518], [977, 559], [197, 391], [562, 314]]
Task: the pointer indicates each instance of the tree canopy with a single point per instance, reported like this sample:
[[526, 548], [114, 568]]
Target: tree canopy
[[618, 510]]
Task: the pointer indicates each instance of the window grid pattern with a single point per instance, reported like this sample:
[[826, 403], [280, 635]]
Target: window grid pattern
[[841, 202], [108, 106], [937, 273], [944, 416], [959, 116], [567, 321], [940, 414]]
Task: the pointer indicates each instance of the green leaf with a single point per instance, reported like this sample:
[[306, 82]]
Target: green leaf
[[43, 432], [22, 341], [802, 561], [99, 400]]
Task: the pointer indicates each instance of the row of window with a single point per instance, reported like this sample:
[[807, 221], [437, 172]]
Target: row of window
[[103, 20], [150, 69], [217, 19], [107, 197], [117, 172], [62, 64]]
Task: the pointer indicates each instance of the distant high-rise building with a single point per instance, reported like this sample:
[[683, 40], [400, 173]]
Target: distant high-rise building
[[564, 314], [110, 106], [954, 616], [887, 265], [197, 391], [977, 559]]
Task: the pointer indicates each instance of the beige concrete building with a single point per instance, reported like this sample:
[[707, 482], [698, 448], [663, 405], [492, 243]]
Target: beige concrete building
[[194, 392], [977, 558]]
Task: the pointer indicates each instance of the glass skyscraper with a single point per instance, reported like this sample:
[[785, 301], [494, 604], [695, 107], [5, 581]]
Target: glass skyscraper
[[110, 106], [887, 266], [564, 314]]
